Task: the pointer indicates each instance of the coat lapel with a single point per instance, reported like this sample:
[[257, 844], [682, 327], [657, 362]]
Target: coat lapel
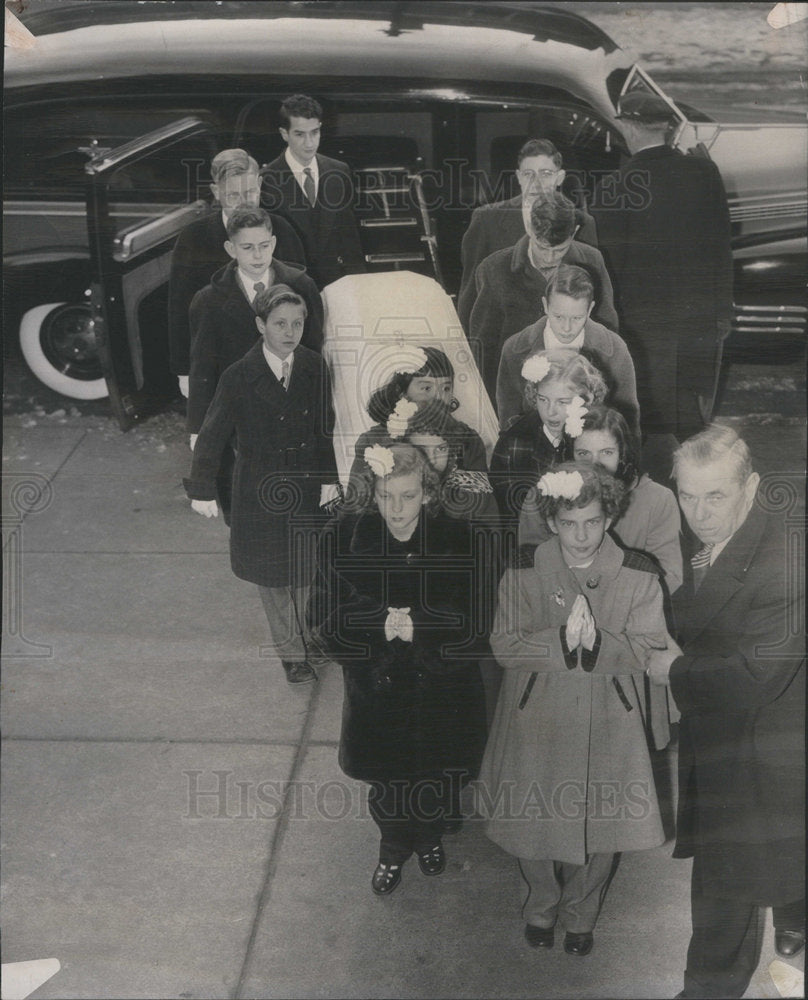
[[724, 578], [263, 380]]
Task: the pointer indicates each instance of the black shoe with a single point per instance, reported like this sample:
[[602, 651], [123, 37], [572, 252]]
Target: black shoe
[[578, 944], [433, 861], [299, 672], [539, 937], [789, 943], [385, 878]]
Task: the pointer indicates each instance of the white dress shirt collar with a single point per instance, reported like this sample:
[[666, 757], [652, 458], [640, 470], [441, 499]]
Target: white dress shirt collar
[[551, 342], [276, 363], [298, 168], [248, 283]]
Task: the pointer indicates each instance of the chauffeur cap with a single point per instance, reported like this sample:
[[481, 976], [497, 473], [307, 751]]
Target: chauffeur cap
[[642, 107]]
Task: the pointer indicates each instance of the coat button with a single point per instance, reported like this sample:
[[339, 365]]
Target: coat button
[[340, 260], [281, 417]]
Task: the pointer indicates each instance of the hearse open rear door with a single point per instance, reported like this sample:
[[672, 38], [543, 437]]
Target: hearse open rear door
[[160, 178]]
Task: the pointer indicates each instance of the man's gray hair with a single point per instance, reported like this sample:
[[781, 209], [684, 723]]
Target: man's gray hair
[[229, 162], [713, 444]]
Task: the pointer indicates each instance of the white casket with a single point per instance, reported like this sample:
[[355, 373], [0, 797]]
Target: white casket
[[369, 319]]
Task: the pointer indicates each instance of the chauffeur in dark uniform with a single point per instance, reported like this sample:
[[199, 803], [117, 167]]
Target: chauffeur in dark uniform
[[315, 193], [663, 227], [739, 681], [199, 251]]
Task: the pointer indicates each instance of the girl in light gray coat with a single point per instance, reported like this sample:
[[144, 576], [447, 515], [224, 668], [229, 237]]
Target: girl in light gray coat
[[566, 781]]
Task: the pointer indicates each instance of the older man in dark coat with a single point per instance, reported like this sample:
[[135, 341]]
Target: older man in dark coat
[[664, 230], [739, 681]]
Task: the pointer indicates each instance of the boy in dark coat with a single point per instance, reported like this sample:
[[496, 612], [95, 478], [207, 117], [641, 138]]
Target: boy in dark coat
[[222, 317], [199, 251], [277, 401], [315, 193]]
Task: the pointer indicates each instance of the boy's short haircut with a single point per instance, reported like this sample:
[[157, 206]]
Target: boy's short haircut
[[571, 280], [540, 147], [248, 218], [231, 162], [277, 295], [299, 106], [552, 219]]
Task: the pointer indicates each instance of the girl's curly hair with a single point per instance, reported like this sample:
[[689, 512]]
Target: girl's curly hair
[[407, 459], [573, 368], [598, 484]]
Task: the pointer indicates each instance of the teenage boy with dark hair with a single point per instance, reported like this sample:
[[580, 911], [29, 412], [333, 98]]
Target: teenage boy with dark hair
[[315, 193]]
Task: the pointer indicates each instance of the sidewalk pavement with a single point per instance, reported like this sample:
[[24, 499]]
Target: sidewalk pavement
[[175, 823]]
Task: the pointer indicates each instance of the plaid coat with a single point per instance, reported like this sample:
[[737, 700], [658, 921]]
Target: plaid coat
[[521, 456]]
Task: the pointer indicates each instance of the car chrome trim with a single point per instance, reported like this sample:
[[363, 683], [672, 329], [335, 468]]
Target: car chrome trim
[[137, 241]]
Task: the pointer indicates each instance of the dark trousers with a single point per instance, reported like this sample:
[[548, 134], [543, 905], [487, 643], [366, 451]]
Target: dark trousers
[[409, 814], [725, 944]]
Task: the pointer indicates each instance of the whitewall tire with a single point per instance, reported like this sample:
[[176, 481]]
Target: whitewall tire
[[58, 344]]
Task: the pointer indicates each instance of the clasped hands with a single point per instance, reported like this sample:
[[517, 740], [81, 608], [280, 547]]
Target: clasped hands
[[398, 624], [580, 627]]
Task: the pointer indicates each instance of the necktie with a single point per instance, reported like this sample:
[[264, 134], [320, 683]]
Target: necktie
[[308, 185], [259, 286], [701, 563], [285, 374]]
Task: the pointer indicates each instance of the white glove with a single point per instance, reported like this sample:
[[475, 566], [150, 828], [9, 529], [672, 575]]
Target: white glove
[[182, 381], [575, 622], [328, 492], [398, 623], [208, 508], [588, 629], [192, 441]]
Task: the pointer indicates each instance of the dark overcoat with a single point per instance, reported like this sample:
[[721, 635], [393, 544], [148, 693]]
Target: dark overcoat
[[509, 291], [223, 329], [328, 230], [284, 453], [502, 224], [740, 686], [411, 708], [664, 229], [197, 255]]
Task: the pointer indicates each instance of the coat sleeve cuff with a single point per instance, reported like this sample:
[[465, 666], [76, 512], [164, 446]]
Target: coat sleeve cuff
[[589, 657], [570, 659]]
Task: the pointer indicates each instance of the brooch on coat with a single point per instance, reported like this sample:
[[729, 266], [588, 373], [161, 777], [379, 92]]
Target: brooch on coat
[[558, 597]]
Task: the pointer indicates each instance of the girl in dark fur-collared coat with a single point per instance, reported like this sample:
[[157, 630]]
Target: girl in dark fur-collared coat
[[394, 603]]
